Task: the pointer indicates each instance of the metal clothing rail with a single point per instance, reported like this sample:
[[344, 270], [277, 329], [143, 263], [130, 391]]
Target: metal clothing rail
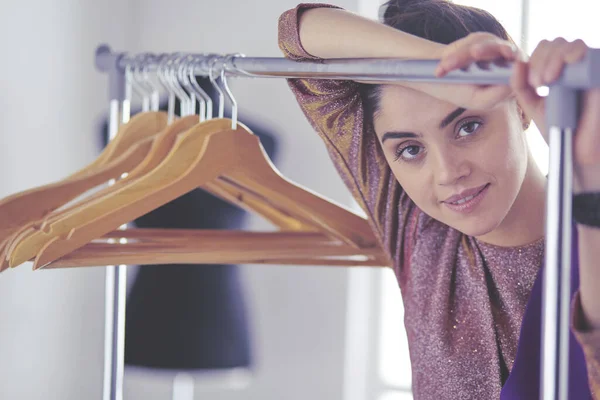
[[561, 121]]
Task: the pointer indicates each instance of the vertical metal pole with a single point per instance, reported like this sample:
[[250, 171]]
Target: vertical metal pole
[[115, 298], [114, 339], [525, 25], [115, 281], [561, 111]]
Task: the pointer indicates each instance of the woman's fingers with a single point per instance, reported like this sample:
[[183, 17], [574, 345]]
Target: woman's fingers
[[531, 103], [543, 68], [520, 85], [553, 62], [577, 50], [493, 49], [536, 65], [485, 49]]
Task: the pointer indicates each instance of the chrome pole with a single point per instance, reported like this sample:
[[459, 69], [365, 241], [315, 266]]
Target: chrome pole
[[115, 279]]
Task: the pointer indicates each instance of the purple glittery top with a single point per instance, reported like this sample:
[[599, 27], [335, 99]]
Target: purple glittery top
[[464, 299]]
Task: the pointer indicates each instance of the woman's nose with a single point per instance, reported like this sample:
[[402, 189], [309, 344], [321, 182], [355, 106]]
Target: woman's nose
[[450, 167]]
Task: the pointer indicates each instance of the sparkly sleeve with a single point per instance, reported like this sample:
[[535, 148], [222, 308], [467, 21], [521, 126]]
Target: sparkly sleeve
[[589, 339], [335, 110]]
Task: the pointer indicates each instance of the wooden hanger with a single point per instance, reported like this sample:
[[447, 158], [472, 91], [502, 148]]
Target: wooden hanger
[[209, 151], [236, 195], [141, 158], [164, 246], [239, 196], [35, 204], [161, 145], [126, 150], [139, 127]]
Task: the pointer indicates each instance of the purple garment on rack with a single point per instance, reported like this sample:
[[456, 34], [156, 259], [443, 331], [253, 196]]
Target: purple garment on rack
[[523, 381]]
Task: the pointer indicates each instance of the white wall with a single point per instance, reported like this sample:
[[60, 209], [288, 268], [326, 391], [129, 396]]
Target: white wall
[[51, 333], [51, 322]]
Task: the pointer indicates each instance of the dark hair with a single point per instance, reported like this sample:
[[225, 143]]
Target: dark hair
[[439, 21]]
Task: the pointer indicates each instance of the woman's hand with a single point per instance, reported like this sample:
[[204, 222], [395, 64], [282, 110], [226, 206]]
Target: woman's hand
[[544, 68], [478, 47]]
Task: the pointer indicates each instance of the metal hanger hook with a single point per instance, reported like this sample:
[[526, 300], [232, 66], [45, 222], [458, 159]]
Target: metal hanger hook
[[155, 96], [133, 84], [128, 79], [197, 60], [142, 87], [211, 64], [234, 105], [169, 81], [204, 99], [126, 104], [186, 84], [161, 73], [184, 98]]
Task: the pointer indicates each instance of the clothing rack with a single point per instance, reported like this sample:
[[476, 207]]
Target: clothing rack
[[561, 120]]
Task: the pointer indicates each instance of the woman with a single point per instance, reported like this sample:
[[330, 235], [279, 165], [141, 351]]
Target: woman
[[446, 177]]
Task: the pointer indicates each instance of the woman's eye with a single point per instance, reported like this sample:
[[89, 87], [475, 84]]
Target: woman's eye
[[408, 153], [469, 128], [412, 152]]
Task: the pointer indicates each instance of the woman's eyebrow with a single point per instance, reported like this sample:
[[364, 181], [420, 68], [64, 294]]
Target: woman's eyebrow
[[450, 117], [445, 122], [398, 135]]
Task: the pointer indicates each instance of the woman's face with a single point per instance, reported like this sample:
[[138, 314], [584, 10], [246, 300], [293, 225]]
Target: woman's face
[[436, 152]]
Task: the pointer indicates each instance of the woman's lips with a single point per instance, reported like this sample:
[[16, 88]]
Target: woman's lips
[[470, 204]]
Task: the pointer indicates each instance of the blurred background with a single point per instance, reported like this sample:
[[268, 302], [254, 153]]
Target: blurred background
[[305, 332]]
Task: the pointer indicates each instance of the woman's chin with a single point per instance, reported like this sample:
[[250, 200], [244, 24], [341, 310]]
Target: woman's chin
[[475, 228]]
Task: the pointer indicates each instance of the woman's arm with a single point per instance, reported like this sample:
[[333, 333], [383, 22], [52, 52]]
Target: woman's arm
[[330, 33], [334, 33]]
